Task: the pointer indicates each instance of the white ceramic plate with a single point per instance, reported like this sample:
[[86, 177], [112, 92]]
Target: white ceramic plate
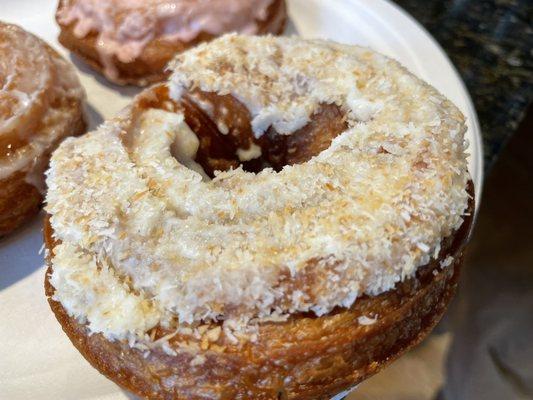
[[36, 359]]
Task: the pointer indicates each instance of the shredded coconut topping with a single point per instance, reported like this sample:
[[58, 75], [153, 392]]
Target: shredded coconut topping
[[140, 229]]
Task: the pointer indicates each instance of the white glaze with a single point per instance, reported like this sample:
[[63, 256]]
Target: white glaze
[[31, 77]]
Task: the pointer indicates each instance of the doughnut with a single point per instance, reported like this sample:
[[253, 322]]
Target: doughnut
[[40, 104], [281, 219], [131, 41]]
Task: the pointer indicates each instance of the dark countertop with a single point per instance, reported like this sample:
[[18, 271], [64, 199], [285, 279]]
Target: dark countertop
[[491, 44]]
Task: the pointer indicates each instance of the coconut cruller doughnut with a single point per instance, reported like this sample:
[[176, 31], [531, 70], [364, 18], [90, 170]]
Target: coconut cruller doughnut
[[280, 220]]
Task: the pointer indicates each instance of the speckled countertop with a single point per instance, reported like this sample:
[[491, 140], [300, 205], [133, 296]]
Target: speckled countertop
[[491, 44]]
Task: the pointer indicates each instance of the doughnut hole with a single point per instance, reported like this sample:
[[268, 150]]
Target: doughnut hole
[[223, 126], [226, 141]]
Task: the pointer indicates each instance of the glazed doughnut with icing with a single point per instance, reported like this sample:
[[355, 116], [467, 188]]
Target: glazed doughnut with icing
[[40, 104], [294, 210], [131, 41]]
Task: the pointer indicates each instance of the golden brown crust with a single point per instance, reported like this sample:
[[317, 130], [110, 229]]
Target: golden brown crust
[[149, 67], [19, 201], [306, 357]]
